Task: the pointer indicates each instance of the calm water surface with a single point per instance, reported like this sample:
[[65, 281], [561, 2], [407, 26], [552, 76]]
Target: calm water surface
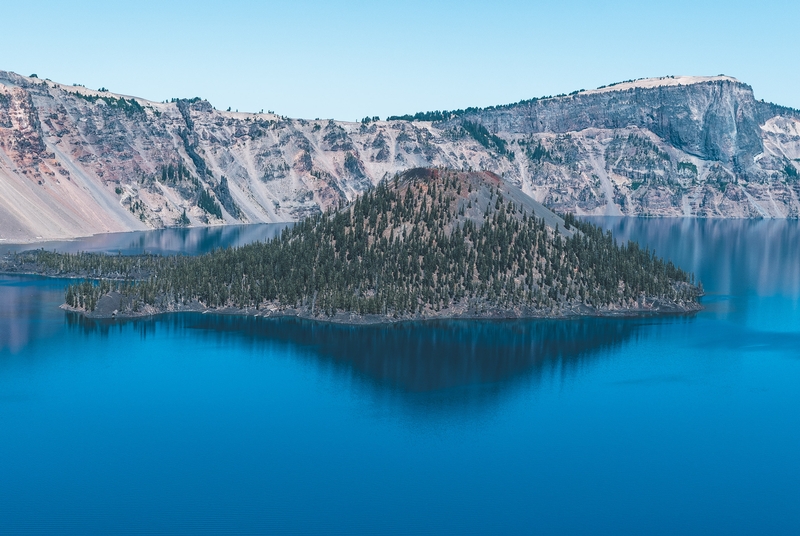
[[188, 241], [208, 424]]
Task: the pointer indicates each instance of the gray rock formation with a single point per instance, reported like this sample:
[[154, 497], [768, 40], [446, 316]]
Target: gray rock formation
[[74, 161]]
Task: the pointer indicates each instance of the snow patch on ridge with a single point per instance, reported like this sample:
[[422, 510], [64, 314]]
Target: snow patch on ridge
[[661, 82]]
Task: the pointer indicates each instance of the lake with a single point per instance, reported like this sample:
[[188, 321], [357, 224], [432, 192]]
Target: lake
[[215, 424]]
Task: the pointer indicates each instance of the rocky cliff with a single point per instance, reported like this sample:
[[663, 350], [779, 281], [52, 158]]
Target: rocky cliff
[[75, 161]]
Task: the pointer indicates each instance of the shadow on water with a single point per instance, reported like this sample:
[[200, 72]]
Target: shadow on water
[[458, 359]]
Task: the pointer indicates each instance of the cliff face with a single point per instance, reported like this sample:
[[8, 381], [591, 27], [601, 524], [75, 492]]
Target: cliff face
[[676, 146], [712, 118], [74, 161]]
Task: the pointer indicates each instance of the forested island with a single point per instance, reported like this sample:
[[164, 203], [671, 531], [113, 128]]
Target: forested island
[[428, 243]]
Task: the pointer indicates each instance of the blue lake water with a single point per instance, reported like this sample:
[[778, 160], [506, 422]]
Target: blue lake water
[[213, 424]]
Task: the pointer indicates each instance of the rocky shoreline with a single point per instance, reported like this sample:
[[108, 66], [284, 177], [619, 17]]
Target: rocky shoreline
[[113, 306]]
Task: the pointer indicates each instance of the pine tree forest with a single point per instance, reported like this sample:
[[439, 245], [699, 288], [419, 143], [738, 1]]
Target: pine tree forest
[[424, 243]]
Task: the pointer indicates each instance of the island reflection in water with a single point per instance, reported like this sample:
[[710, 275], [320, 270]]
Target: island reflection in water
[[410, 357]]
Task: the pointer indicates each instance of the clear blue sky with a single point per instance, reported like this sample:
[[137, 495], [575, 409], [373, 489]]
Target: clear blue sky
[[349, 59]]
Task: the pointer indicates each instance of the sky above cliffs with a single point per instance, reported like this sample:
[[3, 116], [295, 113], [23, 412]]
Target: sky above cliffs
[[350, 59]]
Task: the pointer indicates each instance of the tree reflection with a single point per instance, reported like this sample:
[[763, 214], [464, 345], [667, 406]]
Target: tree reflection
[[411, 357]]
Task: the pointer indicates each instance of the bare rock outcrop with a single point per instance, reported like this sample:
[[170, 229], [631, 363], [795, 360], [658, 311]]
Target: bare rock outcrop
[[75, 161]]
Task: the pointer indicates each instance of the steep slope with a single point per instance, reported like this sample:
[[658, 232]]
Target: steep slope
[[75, 161]]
